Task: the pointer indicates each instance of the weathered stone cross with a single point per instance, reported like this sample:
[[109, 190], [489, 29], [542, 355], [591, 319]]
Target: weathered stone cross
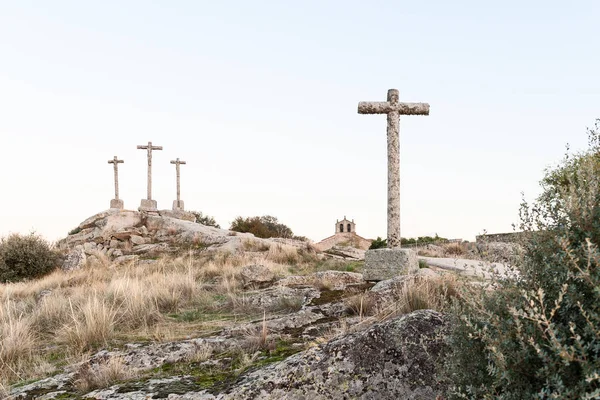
[[393, 109], [149, 204], [178, 204], [116, 203]]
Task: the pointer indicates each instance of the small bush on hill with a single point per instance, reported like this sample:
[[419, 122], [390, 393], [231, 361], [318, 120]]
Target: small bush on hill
[[262, 227], [378, 243], [24, 257], [538, 336], [205, 219]]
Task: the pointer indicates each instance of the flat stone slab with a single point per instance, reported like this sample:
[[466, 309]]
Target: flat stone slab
[[479, 268], [178, 214], [382, 264]]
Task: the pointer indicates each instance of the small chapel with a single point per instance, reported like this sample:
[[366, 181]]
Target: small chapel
[[345, 235], [344, 226]]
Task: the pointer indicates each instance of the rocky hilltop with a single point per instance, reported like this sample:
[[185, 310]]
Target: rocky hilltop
[[125, 235]]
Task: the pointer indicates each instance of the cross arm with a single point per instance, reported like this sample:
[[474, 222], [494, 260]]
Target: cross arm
[[384, 107], [116, 161], [142, 147]]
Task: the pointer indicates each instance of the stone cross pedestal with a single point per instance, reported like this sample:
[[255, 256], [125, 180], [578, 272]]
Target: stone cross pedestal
[[178, 204], [149, 204], [373, 261], [116, 202]]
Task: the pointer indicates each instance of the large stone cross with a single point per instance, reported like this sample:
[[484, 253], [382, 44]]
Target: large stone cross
[[116, 202], [149, 204], [393, 109], [178, 204]]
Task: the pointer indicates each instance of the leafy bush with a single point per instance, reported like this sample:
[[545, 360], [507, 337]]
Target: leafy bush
[[23, 257], [205, 219], [262, 227], [538, 335], [378, 243]]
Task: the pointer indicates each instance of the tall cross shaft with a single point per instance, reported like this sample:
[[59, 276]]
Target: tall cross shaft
[[393, 108], [149, 147], [177, 163], [116, 163]]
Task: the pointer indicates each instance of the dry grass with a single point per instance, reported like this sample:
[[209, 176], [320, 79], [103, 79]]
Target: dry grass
[[102, 375], [92, 324], [432, 293], [200, 353], [4, 390], [361, 304], [424, 293], [73, 313], [257, 338], [17, 343]]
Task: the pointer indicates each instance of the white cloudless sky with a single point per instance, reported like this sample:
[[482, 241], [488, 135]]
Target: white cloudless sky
[[260, 98]]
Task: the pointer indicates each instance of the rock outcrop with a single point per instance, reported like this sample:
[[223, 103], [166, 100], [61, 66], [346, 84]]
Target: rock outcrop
[[75, 259], [117, 233], [395, 359], [257, 276], [392, 360]]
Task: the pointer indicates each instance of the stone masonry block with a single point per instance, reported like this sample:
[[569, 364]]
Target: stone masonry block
[[382, 264], [116, 203], [178, 205], [148, 205]]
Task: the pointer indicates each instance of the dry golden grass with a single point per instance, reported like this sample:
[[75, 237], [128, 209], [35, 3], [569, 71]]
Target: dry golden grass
[[92, 324], [361, 304], [424, 293], [102, 375], [73, 313], [17, 343], [4, 390], [432, 293]]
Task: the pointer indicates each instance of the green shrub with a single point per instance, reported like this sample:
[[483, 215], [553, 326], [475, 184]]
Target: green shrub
[[378, 243], [205, 219], [538, 335], [24, 257], [262, 227]]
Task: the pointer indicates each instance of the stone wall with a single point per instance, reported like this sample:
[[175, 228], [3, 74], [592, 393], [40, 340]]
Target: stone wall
[[512, 237]]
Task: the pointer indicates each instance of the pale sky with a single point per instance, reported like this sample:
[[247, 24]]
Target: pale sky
[[260, 98]]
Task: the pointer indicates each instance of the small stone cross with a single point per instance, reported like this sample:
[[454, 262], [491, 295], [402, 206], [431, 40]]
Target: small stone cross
[[178, 204], [116, 203], [393, 109]]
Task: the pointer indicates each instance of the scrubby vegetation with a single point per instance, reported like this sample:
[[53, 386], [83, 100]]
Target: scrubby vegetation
[[538, 336], [262, 227], [378, 243], [25, 257], [205, 219], [421, 240]]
